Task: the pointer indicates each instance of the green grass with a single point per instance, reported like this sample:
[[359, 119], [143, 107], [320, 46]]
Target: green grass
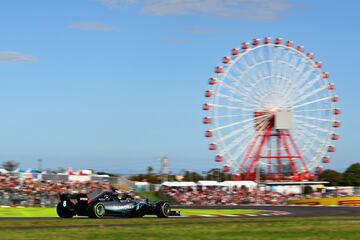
[[185, 229], [51, 212], [268, 228], [28, 212]]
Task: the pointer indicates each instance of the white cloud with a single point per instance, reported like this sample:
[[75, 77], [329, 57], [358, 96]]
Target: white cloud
[[13, 57], [113, 4], [110, 4], [94, 26], [179, 42], [131, 1], [197, 30], [243, 9]]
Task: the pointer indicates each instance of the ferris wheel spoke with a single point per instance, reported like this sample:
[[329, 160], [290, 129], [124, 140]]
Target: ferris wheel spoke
[[234, 91], [303, 82], [232, 124], [249, 68], [254, 97], [229, 107], [234, 143], [314, 118], [229, 115], [311, 102], [313, 126], [227, 86], [253, 57], [313, 110], [233, 78], [264, 62], [245, 128], [303, 76], [238, 71], [232, 163], [241, 149], [311, 134], [301, 65], [312, 151], [296, 91], [257, 88], [237, 100], [307, 139], [279, 82], [307, 86]]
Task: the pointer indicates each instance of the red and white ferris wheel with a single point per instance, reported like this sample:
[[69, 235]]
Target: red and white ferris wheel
[[271, 107]]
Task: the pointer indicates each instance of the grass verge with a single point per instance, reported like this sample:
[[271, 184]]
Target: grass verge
[[184, 229]]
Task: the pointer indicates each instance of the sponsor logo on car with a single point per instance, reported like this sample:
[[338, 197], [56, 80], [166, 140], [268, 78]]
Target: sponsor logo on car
[[117, 208]]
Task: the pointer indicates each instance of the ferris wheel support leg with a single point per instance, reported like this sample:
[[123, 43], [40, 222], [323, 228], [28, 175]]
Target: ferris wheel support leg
[[269, 170], [278, 147], [257, 156], [297, 150], [249, 151], [287, 150]]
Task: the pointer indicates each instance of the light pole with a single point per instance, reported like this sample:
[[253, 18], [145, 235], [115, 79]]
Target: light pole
[[164, 168], [40, 164]]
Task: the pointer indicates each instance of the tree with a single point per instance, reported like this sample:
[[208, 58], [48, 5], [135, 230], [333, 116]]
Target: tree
[[150, 169], [106, 173], [217, 174], [10, 165], [148, 177], [333, 177], [192, 176], [307, 190], [352, 175], [151, 178]]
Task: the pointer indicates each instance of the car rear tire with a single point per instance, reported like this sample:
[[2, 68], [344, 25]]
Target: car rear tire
[[65, 209], [97, 210], [162, 209]]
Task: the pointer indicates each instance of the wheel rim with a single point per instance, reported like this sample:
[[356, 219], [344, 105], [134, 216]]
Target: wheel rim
[[166, 209], [100, 210]]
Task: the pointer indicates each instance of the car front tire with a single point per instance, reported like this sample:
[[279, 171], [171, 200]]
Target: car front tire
[[162, 209]]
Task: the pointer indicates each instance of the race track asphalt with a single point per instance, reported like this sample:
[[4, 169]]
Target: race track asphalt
[[298, 211], [295, 211]]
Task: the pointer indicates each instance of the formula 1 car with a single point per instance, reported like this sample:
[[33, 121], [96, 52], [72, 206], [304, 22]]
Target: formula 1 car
[[109, 204]]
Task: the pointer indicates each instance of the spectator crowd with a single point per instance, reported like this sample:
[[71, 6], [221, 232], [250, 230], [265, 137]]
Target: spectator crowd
[[34, 192], [215, 195], [20, 191]]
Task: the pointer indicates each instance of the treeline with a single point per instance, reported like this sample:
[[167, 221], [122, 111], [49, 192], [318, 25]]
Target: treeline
[[214, 174], [351, 176]]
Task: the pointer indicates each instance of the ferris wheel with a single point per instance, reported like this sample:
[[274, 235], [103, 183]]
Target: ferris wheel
[[272, 106]]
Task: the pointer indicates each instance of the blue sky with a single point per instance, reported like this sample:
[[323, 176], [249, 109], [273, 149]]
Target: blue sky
[[114, 85]]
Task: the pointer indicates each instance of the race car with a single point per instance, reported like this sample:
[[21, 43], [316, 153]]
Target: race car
[[109, 204]]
